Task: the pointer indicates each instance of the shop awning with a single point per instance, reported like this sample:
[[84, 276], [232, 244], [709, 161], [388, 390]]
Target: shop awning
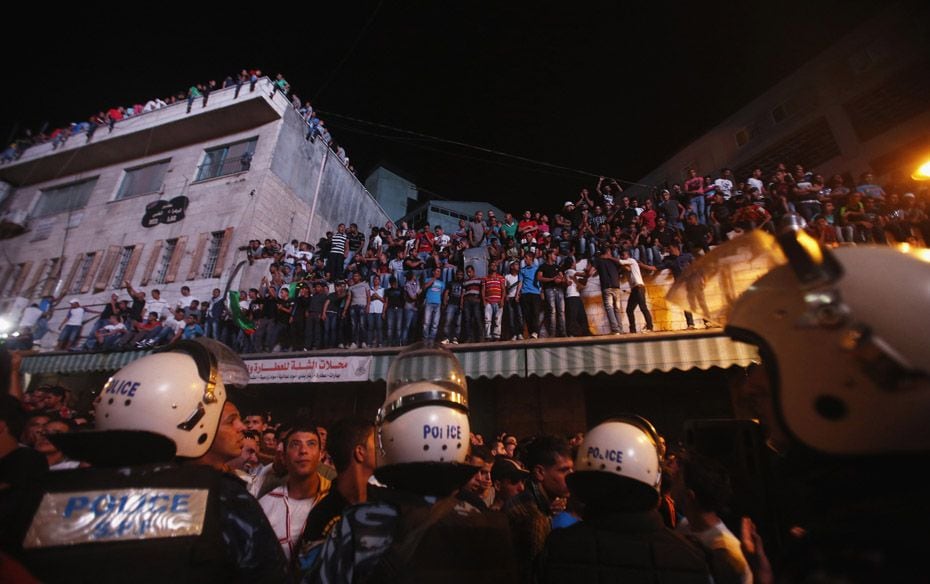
[[69, 363], [556, 357]]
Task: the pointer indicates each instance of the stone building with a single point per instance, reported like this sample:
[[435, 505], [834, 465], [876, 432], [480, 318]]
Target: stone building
[[169, 198]]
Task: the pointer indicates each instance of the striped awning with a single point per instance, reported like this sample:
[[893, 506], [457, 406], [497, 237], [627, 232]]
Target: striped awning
[[556, 357], [645, 356], [493, 361], [79, 362]]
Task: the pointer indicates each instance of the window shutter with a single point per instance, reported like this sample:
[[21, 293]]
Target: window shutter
[[221, 256], [21, 279], [175, 262], [40, 269], [194, 272], [89, 279], [49, 287], [133, 263], [73, 273], [153, 260], [106, 272]]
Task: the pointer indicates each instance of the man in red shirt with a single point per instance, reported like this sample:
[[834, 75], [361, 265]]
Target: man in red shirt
[[424, 242], [492, 292], [527, 229]]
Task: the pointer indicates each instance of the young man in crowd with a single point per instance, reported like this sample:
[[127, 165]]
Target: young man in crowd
[[434, 290], [492, 294], [288, 506], [472, 313]]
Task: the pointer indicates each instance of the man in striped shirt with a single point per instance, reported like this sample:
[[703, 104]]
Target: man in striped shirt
[[472, 315], [492, 292], [338, 251]]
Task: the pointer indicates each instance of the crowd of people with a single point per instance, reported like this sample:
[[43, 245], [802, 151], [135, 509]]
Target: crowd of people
[[397, 284], [197, 93], [303, 475]]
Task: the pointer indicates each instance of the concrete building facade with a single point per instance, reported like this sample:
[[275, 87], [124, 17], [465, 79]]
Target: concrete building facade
[[168, 198], [861, 105]]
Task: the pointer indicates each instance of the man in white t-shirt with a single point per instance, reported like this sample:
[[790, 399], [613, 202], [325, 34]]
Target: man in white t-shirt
[[576, 319], [185, 301], [724, 184], [702, 488], [287, 506], [756, 181], [375, 312], [71, 327], [637, 290], [156, 304], [441, 241], [514, 314], [110, 334]]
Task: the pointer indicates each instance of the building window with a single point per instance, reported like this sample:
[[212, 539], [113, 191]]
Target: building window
[[77, 283], [213, 253], [143, 180], [47, 283], [228, 159], [64, 198], [119, 273], [11, 278], [167, 252]]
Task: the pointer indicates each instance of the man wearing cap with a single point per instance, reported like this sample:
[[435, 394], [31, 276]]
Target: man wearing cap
[[507, 476], [71, 327]]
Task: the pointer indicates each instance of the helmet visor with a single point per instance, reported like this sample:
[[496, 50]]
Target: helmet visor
[[711, 285]]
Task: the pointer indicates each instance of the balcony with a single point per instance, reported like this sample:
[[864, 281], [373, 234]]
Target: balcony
[[150, 133]]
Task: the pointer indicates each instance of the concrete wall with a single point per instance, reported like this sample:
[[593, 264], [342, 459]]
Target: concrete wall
[[341, 196], [391, 190]]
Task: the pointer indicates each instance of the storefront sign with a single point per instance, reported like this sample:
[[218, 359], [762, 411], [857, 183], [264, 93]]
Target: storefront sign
[[327, 369]]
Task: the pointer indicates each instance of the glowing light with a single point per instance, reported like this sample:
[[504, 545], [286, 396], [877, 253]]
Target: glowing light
[[922, 172], [6, 325], [811, 246]]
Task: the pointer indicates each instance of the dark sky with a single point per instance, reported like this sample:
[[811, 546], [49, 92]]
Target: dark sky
[[596, 88]]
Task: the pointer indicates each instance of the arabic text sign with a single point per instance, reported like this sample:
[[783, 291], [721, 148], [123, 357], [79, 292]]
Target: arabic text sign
[[117, 515], [326, 369]]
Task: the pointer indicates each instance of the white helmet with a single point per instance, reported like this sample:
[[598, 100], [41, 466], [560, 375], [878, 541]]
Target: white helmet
[[178, 394], [627, 446], [843, 337], [424, 417]]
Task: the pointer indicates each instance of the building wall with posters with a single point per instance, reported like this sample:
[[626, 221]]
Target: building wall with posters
[[168, 198], [861, 105]]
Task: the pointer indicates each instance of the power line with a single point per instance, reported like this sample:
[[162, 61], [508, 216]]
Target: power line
[[481, 149], [351, 50], [411, 143]]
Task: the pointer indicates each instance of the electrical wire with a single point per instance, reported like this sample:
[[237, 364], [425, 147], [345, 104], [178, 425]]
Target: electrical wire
[[411, 142], [351, 50], [486, 150]]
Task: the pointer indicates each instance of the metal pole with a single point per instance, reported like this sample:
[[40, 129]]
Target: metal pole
[[316, 193]]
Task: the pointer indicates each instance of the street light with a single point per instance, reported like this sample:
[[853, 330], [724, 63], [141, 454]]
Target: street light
[[922, 172]]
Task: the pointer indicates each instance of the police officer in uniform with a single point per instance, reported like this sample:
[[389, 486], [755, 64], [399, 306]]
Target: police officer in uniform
[[139, 516], [622, 537], [417, 530], [843, 391]]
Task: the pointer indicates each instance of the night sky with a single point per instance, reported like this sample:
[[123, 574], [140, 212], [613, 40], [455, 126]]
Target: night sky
[[599, 89]]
